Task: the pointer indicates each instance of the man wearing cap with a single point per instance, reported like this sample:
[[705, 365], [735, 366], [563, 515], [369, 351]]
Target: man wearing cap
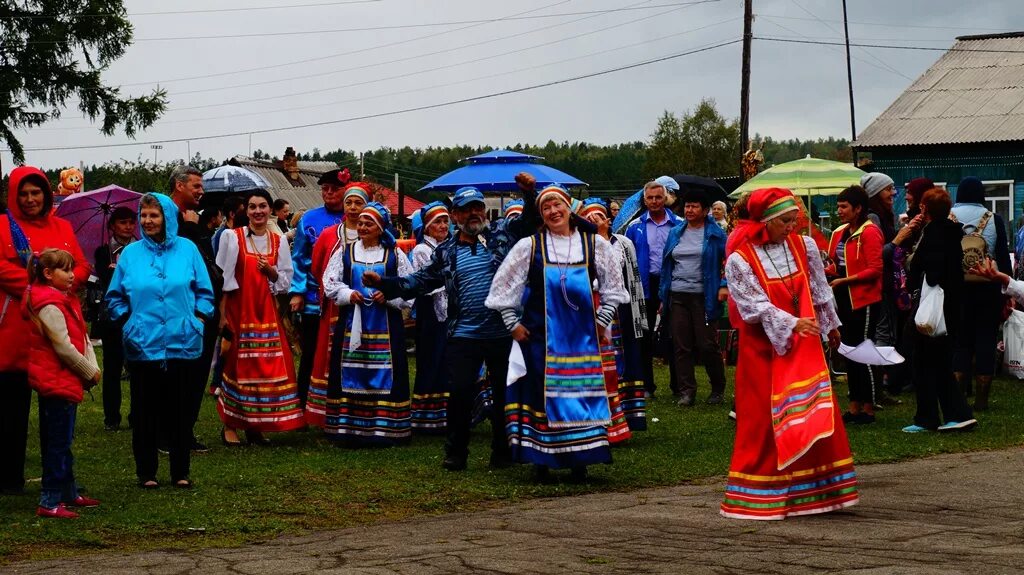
[[649, 233], [305, 289], [464, 265]]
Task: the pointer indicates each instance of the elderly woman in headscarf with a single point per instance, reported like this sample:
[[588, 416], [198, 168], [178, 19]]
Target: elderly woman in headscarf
[[368, 384], [791, 455], [974, 347], [557, 410], [430, 391]]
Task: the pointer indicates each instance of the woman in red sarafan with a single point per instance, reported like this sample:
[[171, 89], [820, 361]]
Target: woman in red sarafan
[[791, 455], [259, 393]]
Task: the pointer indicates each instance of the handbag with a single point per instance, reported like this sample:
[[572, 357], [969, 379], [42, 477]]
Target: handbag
[[930, 319]]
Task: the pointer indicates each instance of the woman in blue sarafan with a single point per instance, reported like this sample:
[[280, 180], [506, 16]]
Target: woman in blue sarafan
[[557, 410], [368, 385]]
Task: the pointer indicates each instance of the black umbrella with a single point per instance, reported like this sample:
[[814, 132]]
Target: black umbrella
[[714, 191]]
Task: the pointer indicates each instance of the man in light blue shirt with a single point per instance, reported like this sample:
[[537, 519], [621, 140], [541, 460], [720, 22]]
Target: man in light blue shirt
[[648, 234]]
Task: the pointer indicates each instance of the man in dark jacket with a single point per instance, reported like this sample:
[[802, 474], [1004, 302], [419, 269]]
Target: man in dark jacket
[[465, 265], [186, 191]]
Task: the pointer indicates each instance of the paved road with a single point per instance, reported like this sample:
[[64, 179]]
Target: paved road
[[950, 514]]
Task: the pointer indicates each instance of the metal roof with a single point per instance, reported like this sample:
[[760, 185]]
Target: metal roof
[[303, 194], [973, 93]]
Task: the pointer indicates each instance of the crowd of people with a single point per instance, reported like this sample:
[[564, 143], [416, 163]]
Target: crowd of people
[[543, 321]]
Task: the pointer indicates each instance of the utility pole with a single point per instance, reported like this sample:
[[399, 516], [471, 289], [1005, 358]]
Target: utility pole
[[849, 75], [748, 35], [156, 148], [362, 173]]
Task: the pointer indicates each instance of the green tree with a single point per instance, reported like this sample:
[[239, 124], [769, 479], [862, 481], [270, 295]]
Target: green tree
[[666, 150], [710, 142], [43, 46]]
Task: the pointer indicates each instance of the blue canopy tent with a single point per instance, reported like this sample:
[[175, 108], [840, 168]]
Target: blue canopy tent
[[495, 171]]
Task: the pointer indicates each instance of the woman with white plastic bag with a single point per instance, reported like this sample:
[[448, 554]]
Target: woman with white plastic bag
[[937, 264]]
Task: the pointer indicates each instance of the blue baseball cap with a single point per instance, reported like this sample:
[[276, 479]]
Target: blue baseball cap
[[467, 195]]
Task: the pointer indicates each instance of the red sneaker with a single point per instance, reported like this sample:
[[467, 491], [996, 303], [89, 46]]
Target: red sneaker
[[83, 501], [59, 512]]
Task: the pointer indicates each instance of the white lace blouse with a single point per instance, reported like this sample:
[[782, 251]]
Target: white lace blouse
[[227, 258], [510, 280], [754, 305], [335, 286], [421, 259]]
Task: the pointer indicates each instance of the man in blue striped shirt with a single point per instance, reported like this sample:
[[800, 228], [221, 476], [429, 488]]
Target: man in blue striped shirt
[[465, 265]]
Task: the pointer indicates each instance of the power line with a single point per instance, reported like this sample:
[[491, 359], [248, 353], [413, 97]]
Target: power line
[[404, 110], [419, 89], [427, 55], [351, 85], [382, 28], [292, 63], [886, 25], [199, 11], [889, 46]]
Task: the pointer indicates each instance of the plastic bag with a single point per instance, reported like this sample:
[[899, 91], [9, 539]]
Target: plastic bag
[[929, 318], [1013, 343]]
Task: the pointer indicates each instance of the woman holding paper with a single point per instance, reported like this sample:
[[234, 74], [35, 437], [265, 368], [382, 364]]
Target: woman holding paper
[[558, 411], [791, 455], [856, 250], [368, 384], [938, 260]]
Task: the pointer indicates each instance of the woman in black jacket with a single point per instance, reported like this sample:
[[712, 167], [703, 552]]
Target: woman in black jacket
[[937, 260]]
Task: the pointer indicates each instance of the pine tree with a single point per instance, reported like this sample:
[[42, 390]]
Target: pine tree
[[53, 50]]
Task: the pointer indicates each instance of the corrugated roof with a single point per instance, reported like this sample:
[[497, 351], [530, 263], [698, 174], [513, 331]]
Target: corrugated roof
[[305, 193], [973, 93]]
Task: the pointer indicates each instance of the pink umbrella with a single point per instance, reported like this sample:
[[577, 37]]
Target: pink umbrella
[[88, 213]]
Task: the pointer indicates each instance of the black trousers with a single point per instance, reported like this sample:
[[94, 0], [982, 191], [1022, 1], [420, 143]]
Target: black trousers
[[200, 371], [693, 337], [309, 329], [14, 410], [934, 384], [974, 347], [164, 397], [465, 357], [858, 325], [113, 365], [654, 344]]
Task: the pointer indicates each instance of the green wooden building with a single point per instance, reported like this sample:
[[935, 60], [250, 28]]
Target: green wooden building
[[963, 117]]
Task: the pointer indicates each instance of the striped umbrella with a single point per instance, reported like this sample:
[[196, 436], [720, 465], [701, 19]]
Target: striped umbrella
[[806, 177]]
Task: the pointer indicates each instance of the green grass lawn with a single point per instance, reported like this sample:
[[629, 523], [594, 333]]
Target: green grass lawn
[[304, 483]]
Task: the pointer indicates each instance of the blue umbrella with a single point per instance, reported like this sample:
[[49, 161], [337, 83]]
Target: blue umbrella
[[496, 171], [233, 179]]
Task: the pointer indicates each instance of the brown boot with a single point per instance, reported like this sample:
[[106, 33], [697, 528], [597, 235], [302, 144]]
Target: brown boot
[[984, 386], [963, 383]]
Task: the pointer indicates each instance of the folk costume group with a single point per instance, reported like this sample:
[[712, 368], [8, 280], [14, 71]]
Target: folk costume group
[[542, 302]]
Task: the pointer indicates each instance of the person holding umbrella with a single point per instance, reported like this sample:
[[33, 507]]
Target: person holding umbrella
[[29, 226]]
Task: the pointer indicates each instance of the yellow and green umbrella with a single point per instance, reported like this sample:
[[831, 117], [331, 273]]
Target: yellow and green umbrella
[[806, 177]]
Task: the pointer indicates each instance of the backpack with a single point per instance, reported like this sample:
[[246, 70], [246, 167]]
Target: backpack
[[975, 247]]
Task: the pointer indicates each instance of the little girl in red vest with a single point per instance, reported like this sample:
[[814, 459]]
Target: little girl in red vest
[[61, 365]]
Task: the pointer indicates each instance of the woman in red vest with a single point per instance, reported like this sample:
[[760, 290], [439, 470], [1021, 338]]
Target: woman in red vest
[[27, 227], [791, 455], [856, 252]]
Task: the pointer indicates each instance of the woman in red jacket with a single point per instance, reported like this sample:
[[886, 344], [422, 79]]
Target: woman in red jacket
[[27, 227], [856, 252]]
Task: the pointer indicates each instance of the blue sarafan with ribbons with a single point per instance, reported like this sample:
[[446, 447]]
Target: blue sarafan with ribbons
[[366, 364], [556, 415], [368, 398]]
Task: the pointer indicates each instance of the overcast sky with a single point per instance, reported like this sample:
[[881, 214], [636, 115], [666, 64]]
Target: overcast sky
[[326, 70]]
